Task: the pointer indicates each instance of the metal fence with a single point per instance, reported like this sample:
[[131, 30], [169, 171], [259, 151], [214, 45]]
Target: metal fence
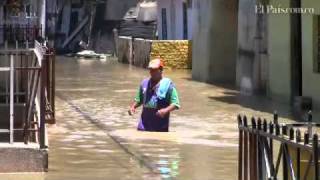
[[28, 84], [19, 33], [265, 148]]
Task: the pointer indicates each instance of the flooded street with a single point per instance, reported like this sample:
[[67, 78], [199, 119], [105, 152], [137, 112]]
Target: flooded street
[[94, 134], [95, 138]]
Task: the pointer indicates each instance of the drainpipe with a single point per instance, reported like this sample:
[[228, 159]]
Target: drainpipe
[[296, 52], [43, 18]]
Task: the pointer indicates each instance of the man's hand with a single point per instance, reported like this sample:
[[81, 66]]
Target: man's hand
[[165, 111], [162, 113], [132, 110]]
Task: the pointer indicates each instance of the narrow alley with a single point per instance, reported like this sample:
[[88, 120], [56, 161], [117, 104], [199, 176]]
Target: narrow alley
[[95, 132]]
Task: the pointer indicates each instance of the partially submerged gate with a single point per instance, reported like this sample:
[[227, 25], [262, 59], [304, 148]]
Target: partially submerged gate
[[269, 150], [27, 90]]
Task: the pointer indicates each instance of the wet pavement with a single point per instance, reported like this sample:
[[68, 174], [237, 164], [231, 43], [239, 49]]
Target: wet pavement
[[95, 138]]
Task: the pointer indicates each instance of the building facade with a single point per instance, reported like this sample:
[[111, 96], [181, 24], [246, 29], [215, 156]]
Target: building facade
[[214, 40], [274, 52], [175, 19], [294, 52]]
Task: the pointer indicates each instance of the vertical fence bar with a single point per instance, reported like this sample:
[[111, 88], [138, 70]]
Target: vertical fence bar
[[316, 156], [53, 74], [259, 152], [11, 99], [245, 156], [271, 131], [254, 152], [43, 79], [298, 140], [251, 151], [240, 148], [7, 76], [291, 134], [284, 160], [26, 98], [310, 124], [275, 117], [306, 138]]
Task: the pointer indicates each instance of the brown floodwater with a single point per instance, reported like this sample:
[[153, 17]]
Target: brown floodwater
[[95, 138]]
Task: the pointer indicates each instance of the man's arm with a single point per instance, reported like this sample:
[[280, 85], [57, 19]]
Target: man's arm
[[174, 104], [136, 103]]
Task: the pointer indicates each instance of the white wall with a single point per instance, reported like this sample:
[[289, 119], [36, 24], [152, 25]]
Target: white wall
[[43, 17], [311, 79], [164, 4], [178, 19], [214, 43], [190, 24], [174, 19]]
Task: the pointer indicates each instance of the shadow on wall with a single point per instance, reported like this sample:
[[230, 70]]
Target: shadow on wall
[[256, 103]]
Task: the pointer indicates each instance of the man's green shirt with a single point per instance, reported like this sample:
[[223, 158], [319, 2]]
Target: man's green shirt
[[172, 97]]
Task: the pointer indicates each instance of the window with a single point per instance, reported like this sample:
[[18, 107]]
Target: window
[[164, 23]]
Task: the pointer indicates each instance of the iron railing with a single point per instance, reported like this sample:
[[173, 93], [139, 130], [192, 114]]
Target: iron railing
[[28, 82], [13, 33], [266, 148]]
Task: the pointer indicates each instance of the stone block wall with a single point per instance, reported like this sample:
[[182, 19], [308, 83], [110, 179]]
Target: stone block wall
[[175, 53]]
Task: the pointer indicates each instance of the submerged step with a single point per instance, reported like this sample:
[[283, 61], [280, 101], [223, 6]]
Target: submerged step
[[19, 157]]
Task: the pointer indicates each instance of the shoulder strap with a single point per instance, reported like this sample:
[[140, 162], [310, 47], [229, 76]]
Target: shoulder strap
[[144, 87]]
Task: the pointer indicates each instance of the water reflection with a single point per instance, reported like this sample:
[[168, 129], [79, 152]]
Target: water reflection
[[168, 170]]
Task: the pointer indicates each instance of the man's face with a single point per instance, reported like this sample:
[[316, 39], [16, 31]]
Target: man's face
[[155, 74]]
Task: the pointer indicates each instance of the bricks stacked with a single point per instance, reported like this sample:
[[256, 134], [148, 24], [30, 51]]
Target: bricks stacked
[[175, 53]]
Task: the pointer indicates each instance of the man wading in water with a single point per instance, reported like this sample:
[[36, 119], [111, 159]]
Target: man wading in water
[[158, 96]]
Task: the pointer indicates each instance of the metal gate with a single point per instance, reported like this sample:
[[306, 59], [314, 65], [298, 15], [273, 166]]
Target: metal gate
[[266, 147], [28, 90]]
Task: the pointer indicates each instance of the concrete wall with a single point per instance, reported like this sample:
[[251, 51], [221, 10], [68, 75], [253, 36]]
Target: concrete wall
[[214, 40], [190, 23], [310, 79], [65, 24], [279, 52], [174, 10], [252, 51]]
